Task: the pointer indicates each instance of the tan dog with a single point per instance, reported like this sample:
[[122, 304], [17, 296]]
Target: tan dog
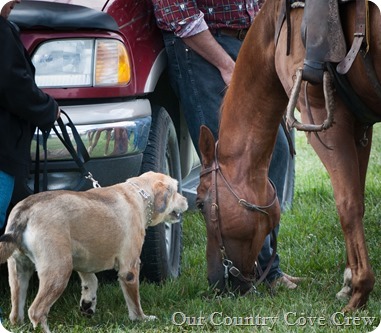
[[60, 231]]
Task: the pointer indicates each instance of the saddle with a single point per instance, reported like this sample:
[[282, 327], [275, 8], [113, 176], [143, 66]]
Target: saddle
[[326, 50], [323, 37]]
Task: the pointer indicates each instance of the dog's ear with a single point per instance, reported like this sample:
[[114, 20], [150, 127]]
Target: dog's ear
[[162, 193]]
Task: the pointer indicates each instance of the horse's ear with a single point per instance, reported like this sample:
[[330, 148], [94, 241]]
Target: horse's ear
[[206, 145]]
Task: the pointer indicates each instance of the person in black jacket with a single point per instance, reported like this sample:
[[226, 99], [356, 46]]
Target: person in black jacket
[[23, 107]]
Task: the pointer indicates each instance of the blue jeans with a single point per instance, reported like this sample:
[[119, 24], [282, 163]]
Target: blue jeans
[[200, 89], [6, 189], [198, 84], [281, 157]]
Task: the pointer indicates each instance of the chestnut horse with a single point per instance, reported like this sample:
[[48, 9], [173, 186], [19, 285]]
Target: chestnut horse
[[235, 195]]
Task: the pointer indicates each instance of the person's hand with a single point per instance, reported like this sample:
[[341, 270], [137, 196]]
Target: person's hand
[[207, 47], [227, 72], [6, 7], [58, 112]]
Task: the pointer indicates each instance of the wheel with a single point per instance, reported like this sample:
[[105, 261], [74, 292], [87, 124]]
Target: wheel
[[161, 254]]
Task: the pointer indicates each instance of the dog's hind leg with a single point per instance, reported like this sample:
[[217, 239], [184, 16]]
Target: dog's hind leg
[[54, 277], [20, 270], [129, 282], [89, 285]]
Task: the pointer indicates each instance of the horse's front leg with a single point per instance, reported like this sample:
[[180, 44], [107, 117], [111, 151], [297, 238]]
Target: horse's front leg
[[346, 164]]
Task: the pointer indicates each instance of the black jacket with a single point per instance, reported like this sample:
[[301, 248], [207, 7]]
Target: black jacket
[[23, 106]]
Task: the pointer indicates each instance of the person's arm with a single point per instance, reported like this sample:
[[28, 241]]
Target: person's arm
[[20, 92], [206, 46], [189, 25]]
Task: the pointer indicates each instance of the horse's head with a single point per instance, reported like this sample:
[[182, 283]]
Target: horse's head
[[236, 229]]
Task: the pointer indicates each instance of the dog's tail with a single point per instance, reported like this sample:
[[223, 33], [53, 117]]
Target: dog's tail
[[7, 247], [16, 225]]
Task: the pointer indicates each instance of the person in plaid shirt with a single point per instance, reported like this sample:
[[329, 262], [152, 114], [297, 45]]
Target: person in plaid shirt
[[196, 21], [202, 40]]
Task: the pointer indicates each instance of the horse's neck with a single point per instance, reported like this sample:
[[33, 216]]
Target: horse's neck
[[246, 139], [247, 133]]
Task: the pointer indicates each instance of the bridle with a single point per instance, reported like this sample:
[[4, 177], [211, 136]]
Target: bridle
[[228, 265]]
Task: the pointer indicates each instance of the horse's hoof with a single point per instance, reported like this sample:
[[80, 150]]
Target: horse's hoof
[[149, 318]]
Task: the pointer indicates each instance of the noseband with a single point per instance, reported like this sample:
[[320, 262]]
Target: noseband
[[215, 218]]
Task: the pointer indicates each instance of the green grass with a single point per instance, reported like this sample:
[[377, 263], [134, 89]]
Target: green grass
[[310, 245]]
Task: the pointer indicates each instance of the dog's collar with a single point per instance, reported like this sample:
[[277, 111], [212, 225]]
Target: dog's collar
[[146, 196]]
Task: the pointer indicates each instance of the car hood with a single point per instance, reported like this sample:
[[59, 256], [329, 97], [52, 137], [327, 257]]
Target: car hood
[[62, 14], [94, 4]]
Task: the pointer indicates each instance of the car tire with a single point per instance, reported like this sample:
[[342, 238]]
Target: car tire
[[161, 253]]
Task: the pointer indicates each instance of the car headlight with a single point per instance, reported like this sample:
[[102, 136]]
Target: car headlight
[[81, 63]]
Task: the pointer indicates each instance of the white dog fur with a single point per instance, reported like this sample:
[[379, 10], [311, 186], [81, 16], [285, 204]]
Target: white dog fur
[[56, 232]]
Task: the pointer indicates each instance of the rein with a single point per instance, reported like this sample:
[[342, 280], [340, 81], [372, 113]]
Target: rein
[[215, 218], [78, 152]]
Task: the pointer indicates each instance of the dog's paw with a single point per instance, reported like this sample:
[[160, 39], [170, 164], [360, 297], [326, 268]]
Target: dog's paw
[[148, 318]]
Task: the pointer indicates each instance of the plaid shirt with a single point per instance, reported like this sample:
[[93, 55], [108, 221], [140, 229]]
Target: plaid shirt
[[189, 17]]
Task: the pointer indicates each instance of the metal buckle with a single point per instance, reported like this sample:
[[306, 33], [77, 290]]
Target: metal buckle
[[214, 212], [227, 265], [242, 34], [95, 182], [234, 271]]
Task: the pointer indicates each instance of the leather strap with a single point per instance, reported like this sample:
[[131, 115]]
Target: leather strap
[[263, 274], [359, 35], [215, 219], [79, 154], [240, 34], [284, 14], [36, 189], [288, 137]]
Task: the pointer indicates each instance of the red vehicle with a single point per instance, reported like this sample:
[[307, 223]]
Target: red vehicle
[[104, 62]]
